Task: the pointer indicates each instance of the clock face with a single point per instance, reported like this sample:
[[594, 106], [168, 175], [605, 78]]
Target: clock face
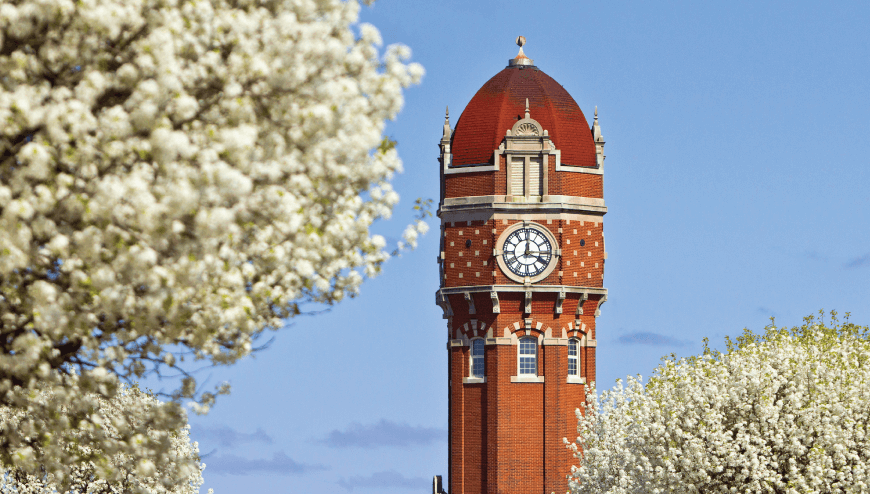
[[527, 252]]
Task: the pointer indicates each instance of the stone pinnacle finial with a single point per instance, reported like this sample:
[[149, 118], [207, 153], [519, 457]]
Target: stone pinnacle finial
[[447, 131], [596, 129], [527, 107], [521, 58]]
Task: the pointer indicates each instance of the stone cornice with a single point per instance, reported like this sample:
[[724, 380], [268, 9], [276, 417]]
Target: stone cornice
[[459, 290], [505, 204]]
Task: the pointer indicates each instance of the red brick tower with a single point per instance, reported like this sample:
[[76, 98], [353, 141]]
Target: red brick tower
[[521, 264]]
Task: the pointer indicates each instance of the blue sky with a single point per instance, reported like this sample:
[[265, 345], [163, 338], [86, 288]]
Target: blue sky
[[737, 182]]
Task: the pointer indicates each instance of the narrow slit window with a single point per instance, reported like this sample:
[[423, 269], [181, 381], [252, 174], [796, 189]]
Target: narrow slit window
[[528, 356], [477, 358], [573, 358]]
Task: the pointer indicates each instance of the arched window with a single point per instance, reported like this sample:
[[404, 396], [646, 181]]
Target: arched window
[[477, 358], [528, 363], [573, 357]]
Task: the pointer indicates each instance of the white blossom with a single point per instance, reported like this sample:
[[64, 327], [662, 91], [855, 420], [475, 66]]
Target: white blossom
[[175, 179], [786, 411], [180, 473]]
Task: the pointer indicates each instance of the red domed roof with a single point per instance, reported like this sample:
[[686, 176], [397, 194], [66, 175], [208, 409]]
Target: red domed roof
[[502, 101]]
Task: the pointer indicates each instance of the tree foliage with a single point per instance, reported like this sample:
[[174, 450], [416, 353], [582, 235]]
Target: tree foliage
[[113, 472], [783, 411], [177, 177]]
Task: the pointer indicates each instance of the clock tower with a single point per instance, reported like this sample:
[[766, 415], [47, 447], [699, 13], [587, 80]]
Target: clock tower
[[521, 279]]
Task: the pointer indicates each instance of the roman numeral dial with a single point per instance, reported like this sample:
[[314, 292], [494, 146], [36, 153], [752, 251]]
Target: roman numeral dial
[[527, 252]]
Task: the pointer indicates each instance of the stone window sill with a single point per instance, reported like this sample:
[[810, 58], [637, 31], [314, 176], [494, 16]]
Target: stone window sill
[[527, 379], [473, 380], [576, 380]]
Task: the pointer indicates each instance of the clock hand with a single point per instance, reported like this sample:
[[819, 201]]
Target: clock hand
[[542, 252]]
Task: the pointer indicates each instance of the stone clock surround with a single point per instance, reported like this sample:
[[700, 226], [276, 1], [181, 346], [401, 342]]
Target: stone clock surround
[[499, 257]]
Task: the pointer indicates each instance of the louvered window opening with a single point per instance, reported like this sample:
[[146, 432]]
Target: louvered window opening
[[518, 177], [535, 184], [535, 176]]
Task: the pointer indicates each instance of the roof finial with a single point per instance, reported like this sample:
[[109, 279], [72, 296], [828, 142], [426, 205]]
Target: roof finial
[[521, 58], [596, 129], [527, 107], [447, 131]]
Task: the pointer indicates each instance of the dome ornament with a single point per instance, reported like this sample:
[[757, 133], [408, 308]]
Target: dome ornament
[[521, 58], [527, 126], [527, 129]]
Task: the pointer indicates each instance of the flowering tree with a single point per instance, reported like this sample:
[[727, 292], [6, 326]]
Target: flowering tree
[[785, 411], [124, 473], [175, 179]]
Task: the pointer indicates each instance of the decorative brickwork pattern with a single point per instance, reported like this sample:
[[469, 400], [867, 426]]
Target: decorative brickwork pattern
[[581, 263]]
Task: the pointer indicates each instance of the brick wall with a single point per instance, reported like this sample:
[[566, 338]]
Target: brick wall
[[506, 437], [581, 264], [495, 182]]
